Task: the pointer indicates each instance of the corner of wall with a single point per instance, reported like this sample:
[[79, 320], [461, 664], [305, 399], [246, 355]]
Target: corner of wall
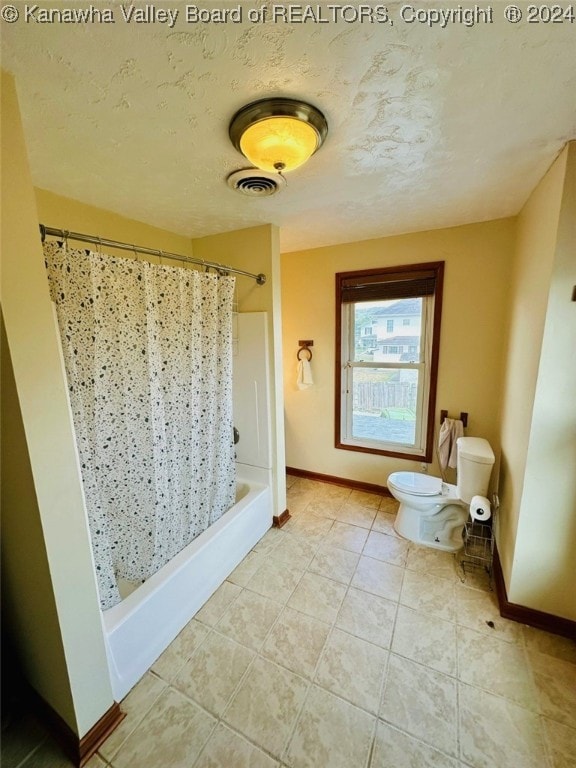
[[65, 657], [536, 253]]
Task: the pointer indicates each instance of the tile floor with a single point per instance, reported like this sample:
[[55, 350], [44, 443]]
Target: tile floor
[[337, 644]]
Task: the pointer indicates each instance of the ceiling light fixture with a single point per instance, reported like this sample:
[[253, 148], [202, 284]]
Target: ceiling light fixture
[[278, 134]]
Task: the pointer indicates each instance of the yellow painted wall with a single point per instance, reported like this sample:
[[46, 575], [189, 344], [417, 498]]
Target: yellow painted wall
[[257, 250], [476, 284], [64, 213], [536, 230], [543, 574], [47, 563]]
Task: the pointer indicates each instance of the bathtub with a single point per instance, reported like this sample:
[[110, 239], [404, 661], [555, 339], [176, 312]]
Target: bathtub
[[138, 629]]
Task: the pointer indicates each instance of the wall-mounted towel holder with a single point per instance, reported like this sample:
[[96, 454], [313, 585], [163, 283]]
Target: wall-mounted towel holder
[[463, 417], [305, 347]]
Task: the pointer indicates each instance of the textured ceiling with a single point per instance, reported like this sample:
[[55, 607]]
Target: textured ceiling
[[428, 126]]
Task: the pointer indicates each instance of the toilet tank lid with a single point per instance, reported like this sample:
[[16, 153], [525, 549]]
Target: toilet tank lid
[[475, 449]]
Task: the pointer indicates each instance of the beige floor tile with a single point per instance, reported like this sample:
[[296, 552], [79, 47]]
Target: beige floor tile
[[384, 523], [496, 666], [305, 485], [226, 749], [334, 492], [425, 639], [368, 616], [334, 563], [433, 562], [324, 507], [365, 499], [475, 609], [242, 574], [422, 702], [551, 645], [297, 501], [179, 651], [395, 749], [330, 732], [352, 669], [296, 642], [266, 705], [356, 514], [157, 742], [136, 705], [275, 579], [388, 548], [271, 538], [561, 741], [346, 536], [495, 732], [290, 480], [428, 594], [295, 551], [318, 596], [556, 685], [249, 618], [213, 672], [472, 575], [379, 578], [95, 762], [215, 607], [311, 527], [389, 505]]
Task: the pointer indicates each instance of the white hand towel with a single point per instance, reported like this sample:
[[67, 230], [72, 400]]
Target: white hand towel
[[450, 431], [457, 431], [304, 376]]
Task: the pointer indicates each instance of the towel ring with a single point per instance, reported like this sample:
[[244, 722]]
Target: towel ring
[[304, 349]]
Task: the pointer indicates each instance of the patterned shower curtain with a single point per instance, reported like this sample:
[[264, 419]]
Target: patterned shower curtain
[[148, 356]]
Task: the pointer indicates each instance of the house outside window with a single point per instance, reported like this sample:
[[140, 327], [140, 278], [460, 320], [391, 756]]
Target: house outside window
[[385, 395]]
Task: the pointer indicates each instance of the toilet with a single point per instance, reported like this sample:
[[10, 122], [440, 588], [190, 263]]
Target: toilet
[[433, 513]]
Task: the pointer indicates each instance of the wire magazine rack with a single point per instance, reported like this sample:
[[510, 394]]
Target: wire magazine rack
[[478, 552]]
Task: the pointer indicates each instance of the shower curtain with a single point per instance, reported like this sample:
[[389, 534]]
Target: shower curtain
[[148, 356]]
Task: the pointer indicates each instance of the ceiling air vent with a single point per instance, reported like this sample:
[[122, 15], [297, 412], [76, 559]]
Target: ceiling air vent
[[255, 183]]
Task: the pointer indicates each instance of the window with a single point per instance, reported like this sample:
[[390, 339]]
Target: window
[[385, 400]]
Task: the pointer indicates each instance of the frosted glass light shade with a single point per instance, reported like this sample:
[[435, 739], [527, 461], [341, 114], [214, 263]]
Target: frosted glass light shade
[[278, 134], [279, 143]]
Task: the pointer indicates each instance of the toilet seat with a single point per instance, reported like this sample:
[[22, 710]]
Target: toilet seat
[[416, 483]]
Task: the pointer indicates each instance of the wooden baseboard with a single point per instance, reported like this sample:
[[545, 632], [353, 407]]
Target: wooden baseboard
[[279, 520], [357, 485], [99, 732], [79, 750], [557, 625]]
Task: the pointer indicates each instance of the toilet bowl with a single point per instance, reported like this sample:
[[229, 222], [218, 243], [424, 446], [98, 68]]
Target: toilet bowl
[[433, 513]]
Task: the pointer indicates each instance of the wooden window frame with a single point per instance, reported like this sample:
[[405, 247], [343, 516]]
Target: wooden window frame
[[389, 274]]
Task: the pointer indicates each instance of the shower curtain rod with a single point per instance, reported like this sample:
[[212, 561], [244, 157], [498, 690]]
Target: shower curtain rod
[[65, 235]]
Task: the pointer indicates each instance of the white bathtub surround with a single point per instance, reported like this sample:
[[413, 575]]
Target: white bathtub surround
[[148, 354]]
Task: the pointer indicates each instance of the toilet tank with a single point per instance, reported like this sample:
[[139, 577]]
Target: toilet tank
[[474, 466]]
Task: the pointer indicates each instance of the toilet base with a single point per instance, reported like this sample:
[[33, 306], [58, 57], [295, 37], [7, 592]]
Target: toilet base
[[442, 530]]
